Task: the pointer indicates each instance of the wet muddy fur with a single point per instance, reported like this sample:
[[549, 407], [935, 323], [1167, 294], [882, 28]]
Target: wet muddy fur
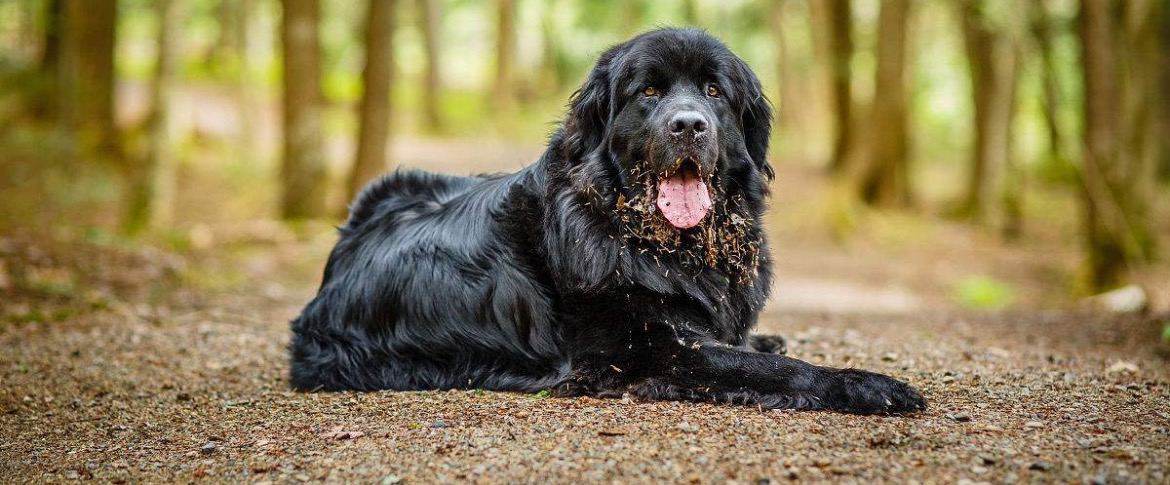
[[563, 276]]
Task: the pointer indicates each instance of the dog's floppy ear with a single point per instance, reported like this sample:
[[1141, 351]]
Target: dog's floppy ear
[[756, 118], [591, 108]]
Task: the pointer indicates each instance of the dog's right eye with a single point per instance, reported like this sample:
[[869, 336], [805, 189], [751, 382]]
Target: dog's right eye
[[650, 91]]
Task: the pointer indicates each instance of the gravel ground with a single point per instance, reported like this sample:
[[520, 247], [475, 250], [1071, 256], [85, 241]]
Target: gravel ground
[[195, 390]]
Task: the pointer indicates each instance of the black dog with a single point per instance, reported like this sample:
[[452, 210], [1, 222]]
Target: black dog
[[628, 259]]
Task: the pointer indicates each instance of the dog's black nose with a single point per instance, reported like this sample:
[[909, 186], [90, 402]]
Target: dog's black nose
[[687, 123]]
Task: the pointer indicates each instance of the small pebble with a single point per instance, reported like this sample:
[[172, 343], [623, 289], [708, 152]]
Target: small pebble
[[208, 448], [1039, 466], [948, 379], [889, 357]]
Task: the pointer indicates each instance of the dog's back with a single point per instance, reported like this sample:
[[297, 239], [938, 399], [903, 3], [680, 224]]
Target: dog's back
[[398, 192], [421, 292]]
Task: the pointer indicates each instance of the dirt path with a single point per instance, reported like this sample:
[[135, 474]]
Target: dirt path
[[193, 388]]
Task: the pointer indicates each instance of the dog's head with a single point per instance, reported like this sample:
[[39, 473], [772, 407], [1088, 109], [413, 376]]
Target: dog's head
[[674, 109]]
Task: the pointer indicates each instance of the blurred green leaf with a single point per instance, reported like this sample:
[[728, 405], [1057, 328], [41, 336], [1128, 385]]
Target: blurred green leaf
[[983, 292]]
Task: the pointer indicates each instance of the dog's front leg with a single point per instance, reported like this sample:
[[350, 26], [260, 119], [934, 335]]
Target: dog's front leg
[[712, 372], [774, 381]]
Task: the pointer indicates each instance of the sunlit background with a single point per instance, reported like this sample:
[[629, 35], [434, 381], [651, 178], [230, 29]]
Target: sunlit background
[[876, 208]]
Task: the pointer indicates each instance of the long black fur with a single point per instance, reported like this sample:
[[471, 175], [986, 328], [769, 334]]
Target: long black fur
[[533, 280]]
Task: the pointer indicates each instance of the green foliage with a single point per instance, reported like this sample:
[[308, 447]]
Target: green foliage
[[544, 393], [983, 292]]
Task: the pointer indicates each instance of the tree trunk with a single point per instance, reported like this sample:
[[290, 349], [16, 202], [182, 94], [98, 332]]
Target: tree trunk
[[551, 55], [632, 15], [227, 50], [1004, 109], [503, 91], [374, 114], [1116, 231], [1142, 147], [690, 13], [429, 20], [839, 43], [245, 93], [152, 188], [786, 86], [992, 59], [886, 181], [1040, 26], [87, 74], [28, 31], [46, 99], [54, 24], [1164, 78], [303, 171]]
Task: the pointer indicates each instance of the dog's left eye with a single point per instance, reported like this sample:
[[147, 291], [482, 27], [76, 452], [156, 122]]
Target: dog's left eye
[[713, 90]]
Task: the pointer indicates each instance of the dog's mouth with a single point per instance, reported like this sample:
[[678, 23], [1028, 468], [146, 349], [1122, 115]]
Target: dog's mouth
[[683, 196]]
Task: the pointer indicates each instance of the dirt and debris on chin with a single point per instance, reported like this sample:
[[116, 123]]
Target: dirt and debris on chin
[[725, 239], [201, 395]]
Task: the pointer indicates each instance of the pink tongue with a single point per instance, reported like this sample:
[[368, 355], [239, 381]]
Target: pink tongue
[[683, 199]]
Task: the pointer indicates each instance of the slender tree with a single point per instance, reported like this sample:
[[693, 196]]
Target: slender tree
[[230, 41], [430, 25], [786, 86], [992, 58], [886, 180], [1041, 28], [44, 99], [86, 74], [632, 14], [152, 186], [690, 10], [1164, 78], [1142, 146], [243, 14], [838, 39], [1116, 229], [54, 23], [552, 58], [503, 91], [374, 111], [303, 171]]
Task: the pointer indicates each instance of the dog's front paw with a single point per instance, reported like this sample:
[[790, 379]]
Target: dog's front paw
[[862, 392]]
